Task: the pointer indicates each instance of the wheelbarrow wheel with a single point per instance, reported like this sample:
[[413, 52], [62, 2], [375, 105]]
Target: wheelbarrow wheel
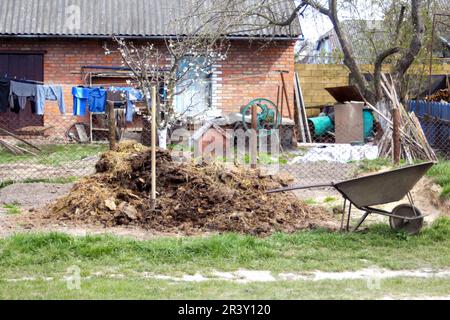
[[409, 226]]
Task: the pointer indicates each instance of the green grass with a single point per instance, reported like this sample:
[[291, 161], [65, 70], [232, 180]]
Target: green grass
[[138, 288], [263, 159], [329, 199], [56, 154], [12, 208], [440, 174], [50, 255], [310, 201], [59, 180], [368, 166]]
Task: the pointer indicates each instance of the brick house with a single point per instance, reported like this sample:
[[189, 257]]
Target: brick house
[[36, 43]]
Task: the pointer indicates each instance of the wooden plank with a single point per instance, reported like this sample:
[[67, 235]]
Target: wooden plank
[[82, 134], [19, 138], [303, 107]]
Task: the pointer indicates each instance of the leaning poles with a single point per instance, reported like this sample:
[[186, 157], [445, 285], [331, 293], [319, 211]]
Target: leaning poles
[[153, 142]]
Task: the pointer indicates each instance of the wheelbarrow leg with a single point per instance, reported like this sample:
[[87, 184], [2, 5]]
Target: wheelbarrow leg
[[343, 214], [361, 221], [348, 217]]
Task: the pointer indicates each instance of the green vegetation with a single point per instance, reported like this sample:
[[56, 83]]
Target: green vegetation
[[12, 208], [140, 288], [50, 255], [368, 166], [303, 251], [329, 199], [55, 154], [440, 174], [263, 159], [59, 180], [310, 201]]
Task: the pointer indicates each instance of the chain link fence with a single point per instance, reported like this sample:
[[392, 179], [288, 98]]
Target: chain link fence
[[435, 121], [63, 148]]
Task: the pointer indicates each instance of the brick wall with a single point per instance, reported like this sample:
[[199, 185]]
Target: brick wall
[[314, 78], [248, 72]]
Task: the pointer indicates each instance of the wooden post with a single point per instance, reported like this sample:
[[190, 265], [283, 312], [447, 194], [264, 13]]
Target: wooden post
[[396, 135], [153, 195], [111, 125], [286, 96], [254, 141]]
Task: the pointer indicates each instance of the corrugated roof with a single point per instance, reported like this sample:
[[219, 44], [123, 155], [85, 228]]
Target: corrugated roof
[[102, 18]]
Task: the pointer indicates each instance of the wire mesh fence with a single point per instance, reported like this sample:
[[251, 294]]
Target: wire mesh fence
[[434, 118], [63, 148]]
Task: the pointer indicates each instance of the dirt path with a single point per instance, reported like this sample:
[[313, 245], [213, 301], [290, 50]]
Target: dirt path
[[32, 195]]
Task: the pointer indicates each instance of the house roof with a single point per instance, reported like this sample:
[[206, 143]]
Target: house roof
[[102, 18], [359, 30]]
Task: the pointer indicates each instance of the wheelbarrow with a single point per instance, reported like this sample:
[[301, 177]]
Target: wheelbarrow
[[378, 189]]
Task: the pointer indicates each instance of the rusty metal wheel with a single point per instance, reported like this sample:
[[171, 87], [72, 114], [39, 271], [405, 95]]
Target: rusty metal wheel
[[409, 226]]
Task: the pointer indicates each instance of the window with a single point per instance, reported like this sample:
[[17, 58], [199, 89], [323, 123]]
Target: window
[[193, 93], [22, 66]]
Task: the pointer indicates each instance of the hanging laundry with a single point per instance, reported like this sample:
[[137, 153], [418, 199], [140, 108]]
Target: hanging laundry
[[51, 93], [80, 100], [15, 107], [132, 96], [97, 100], [22, 90], [4, 95]]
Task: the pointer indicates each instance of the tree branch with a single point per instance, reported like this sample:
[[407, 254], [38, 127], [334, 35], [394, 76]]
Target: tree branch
[[398, 27], [416, 42], [377, 70]]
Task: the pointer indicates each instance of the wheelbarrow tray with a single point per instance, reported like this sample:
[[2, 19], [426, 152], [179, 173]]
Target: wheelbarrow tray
[[382, 188]]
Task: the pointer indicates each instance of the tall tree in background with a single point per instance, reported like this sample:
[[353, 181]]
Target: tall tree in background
[[406, 33]]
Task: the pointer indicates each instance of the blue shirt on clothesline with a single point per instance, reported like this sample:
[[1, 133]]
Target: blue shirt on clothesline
[[80, 100], [97, 100]]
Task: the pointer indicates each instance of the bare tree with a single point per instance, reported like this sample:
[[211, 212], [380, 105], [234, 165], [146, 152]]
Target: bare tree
[[253, 15], [175, 63]]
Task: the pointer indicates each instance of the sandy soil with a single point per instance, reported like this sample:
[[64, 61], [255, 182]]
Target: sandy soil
[[425, 194], [33, 195]]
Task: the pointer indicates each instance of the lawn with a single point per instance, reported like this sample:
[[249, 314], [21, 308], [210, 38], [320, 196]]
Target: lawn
[[55, 154], [113, 267], [440, 173]]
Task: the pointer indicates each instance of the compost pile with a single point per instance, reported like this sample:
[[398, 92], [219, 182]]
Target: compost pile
[[192, 198]]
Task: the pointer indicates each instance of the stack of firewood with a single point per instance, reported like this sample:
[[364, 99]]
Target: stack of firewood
[[413, 142], [441, 95]]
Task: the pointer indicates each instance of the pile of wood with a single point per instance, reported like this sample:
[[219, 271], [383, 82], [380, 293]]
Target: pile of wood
[[15, 149], [441, 95], [413, 144]]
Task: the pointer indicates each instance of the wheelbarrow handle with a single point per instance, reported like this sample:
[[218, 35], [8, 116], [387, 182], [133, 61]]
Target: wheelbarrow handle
[[301, 188]]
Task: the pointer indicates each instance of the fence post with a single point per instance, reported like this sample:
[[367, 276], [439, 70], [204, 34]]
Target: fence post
[[254, 138], [111, 126], [396, 135], [153, 195]]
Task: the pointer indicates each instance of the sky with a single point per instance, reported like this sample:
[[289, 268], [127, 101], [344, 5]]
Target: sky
[[315, 24]]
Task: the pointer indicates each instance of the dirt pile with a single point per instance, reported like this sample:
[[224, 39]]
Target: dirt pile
[[192, 198]]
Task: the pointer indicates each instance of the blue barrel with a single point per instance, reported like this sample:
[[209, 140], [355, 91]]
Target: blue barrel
[[321, 125], [369, 122]]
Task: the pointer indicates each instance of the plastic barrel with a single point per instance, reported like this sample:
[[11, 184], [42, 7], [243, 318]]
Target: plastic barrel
[[321, 125], [369, 121]]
